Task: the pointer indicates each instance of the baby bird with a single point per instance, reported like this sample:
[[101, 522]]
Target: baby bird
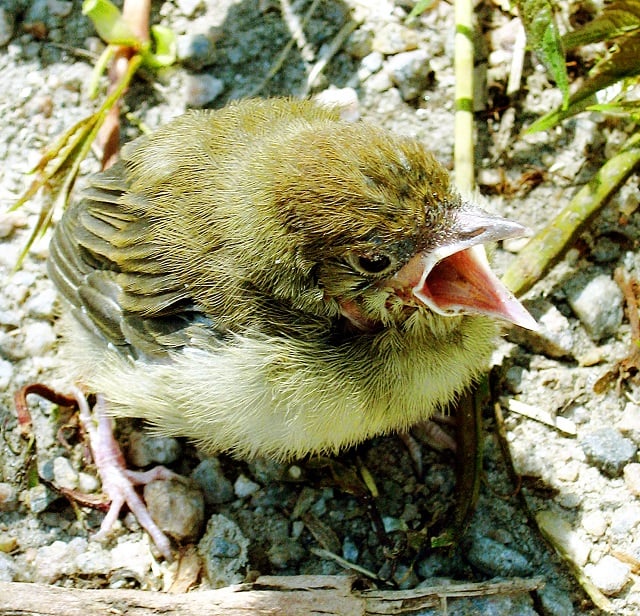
[[267, 279]]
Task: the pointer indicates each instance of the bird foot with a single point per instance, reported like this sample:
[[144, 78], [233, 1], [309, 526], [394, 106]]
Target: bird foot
[[117, 481]]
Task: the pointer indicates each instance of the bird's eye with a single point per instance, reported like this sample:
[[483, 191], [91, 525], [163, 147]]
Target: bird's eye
[[376, 263]]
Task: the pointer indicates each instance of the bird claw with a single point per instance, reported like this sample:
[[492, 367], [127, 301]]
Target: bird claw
[[117, 481]]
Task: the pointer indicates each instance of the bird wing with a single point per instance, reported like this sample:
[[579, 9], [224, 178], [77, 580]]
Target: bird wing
[[118, 289]]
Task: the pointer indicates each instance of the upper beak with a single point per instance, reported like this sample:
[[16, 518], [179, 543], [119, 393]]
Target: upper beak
[[455, 277]]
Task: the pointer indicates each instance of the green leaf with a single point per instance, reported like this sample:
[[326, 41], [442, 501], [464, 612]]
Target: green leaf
[[623, 62], [621, 107], [621, 18], [543, 35], [109, 23], [420, 7], [164, 42], [57, 170]]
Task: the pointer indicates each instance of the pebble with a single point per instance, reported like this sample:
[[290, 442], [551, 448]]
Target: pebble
[[495, 558], [223, 549], [393, 38], [88, 483], [60, 8], [285, 553], [563, 536], [39, 337], [554, 337], [145, 449], [609, 574], [6, 374], [360, 43], [345, 100], [244, 487], [625, 519], [195, 51], [190, 7], [202, 89], [7, 568], [595, 523], [411, 73], [555, 602], [64, 475], [629, 424], [609, 451], [134, 556], [8, 497], [39, 498], [598, 305], [40, 305], [7, 24], [58, 559], [632, 478], [215, 487], [176, 507], [371, 63]]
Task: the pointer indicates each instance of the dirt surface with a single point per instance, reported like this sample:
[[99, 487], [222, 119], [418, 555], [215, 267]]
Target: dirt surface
[[579, 475]]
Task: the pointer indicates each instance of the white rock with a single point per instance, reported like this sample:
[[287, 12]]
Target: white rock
[[609, 574]]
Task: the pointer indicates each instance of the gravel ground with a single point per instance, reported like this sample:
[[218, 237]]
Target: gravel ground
[[579, 470]]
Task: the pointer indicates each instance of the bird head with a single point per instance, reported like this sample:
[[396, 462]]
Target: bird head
[[370, 227]]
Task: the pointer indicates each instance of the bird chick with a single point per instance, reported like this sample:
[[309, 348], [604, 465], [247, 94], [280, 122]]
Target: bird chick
[[267, 279]]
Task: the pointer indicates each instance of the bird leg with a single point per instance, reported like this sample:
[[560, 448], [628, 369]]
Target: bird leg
[[117, 481]]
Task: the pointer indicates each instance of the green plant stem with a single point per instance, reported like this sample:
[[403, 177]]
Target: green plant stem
[[463, 60], [549, 245]]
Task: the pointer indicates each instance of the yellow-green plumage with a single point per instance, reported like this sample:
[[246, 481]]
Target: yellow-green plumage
[[219, 289]]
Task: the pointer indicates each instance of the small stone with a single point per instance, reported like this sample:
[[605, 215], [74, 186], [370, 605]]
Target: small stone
[[594, 523], [60, 8], [411, 73], [87, 484], [609, 574], [6, 374], [7, 568], [598, 305], [380, 82], [145, 449], [40, 497], [41, 304], [8, 497], [359, 44], [625, 519], [177, 508], [202, 89], [608, 450], [64, 475], [215, 487], [632, 478], [195, 51], [372, 62], [39, 337], [555, 602], [286, 553], [189, 7], [344, 100], [244, 487], [393, 38], [554, 337], [495, 558], [7, 24], [224, 550], [133, 556], [629, 424], [563, 536]]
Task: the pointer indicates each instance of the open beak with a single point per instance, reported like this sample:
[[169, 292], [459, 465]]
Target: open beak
[[455, 278]]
